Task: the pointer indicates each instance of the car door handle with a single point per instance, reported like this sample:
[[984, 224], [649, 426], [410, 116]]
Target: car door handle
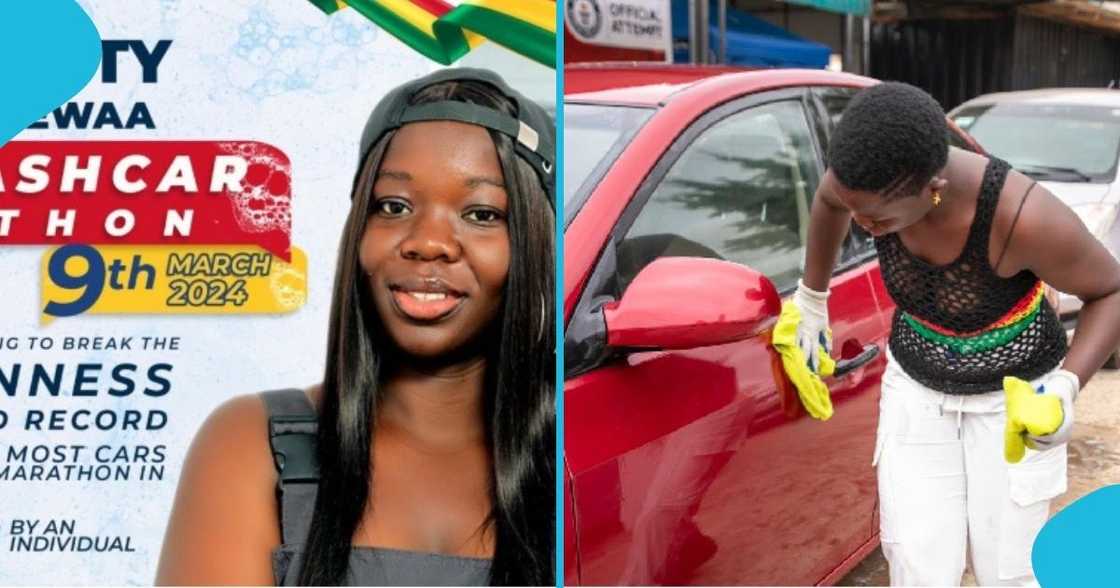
[[870, 351]]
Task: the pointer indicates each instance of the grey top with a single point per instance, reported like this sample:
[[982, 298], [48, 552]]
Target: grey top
[[292, 426], [381, 566]]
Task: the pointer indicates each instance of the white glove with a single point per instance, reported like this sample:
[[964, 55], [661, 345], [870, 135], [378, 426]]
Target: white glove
[[1065, 385], [812, 331]]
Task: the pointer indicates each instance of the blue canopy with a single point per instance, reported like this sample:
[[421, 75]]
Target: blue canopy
[[750, 41]]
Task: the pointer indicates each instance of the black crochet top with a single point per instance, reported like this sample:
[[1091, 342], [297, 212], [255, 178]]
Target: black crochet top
[[959, 328]]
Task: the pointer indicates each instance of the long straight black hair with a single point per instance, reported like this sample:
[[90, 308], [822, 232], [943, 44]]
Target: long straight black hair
[[519, 396]]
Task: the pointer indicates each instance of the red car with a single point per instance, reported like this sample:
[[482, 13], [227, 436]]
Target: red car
[[688, 457]]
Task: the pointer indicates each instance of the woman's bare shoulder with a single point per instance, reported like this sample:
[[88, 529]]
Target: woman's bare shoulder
[[224, 522], [1027, 212], [232, 445], [233, 441]]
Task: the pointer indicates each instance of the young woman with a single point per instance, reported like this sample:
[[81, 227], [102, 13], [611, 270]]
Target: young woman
[[964, 244], [426, 456]]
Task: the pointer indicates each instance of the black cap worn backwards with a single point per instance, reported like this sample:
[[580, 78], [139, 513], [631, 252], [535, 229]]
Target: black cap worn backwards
[[531, 131]]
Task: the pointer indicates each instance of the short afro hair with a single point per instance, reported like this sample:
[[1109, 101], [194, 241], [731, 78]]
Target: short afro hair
[[892, 139]]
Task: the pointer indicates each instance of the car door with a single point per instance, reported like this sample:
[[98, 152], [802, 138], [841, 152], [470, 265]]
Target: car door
[[699, 466]]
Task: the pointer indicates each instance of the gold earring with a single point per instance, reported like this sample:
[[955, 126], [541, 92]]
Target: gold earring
[[936, 197]]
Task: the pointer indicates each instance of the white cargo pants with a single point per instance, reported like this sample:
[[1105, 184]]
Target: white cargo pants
[[944, 487]]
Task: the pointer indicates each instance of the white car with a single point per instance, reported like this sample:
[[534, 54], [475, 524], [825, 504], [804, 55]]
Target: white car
[[1069, 140]]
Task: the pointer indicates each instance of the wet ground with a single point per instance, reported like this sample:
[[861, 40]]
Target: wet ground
[[1094, 461]]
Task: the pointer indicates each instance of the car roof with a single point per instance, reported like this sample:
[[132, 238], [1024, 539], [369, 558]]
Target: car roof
[[656, 84], [646, 84], [1085, 96]]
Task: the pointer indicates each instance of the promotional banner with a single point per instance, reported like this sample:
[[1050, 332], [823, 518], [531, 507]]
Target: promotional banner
[[631, 24], [168, 240]]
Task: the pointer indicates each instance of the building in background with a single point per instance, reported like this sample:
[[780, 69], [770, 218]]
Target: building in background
[[954, 49], [750, 41], [749, 33], [840, 26], [959, 50]]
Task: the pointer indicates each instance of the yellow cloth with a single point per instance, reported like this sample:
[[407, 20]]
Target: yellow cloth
[[812, 391], [1027, 412]]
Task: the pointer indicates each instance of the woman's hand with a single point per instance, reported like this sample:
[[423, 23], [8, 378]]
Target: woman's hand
[[1065, 385], [812, 331]]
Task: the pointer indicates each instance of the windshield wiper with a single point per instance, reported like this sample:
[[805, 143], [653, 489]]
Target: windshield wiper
[[1049, 171]]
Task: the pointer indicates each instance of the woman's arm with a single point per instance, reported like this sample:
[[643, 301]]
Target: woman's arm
[[224, 522], [829, 222], [1050, 240]]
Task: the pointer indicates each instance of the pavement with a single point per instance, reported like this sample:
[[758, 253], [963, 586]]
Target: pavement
[[1094, 461]]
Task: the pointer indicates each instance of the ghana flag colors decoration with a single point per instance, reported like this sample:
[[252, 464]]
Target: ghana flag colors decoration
[[997, 334], [444, 33]]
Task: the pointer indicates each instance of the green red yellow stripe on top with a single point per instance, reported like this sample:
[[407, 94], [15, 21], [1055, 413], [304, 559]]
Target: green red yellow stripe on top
[[998, 334], [445, 33]]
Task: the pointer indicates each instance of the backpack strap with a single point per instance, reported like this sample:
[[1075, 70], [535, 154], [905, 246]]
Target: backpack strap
[[292, 428]]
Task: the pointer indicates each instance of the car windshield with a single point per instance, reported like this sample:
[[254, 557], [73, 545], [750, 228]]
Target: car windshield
[[594, 135], [1058, 142]]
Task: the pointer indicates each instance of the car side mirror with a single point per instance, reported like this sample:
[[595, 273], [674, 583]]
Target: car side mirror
[[686, 302]]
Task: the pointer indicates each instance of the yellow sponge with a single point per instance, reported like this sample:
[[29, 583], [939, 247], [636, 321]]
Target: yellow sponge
[[1027, 412], [812, 391]]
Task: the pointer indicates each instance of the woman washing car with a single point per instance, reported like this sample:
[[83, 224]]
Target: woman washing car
[[965, 245]]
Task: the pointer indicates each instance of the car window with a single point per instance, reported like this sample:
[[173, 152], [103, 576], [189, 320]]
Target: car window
[[739, 192], [860, 243], [1047, 141], [835, 100], [594, 136]]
